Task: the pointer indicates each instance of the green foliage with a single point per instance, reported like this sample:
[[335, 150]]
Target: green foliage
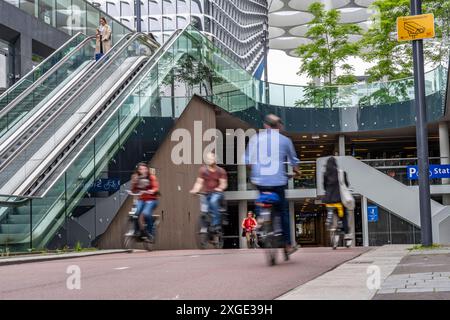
[[393, 59], [389, 92], [328, 50], [329, 47], [193, 71], [421, 247], [78, 247]]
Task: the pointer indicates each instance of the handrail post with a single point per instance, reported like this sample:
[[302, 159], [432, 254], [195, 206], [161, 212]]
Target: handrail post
[[31, 224]]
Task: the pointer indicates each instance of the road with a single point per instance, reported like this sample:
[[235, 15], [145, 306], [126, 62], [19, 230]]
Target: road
[[182, 274]]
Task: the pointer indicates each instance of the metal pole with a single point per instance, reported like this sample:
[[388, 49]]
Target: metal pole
[[421, 134], [266, 49], [365, 222], [137, 10]]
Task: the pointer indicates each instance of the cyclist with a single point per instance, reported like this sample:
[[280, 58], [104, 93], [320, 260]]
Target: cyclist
[[249, 225], [212, 180], [267, 153], [145, 183]]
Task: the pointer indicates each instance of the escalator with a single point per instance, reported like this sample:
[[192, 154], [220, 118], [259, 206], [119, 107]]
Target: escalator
[[49, 126]]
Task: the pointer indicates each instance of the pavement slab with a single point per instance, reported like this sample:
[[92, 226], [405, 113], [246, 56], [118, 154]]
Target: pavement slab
[[350, 280]]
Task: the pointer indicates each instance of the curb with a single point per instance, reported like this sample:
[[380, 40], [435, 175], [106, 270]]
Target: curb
[[42, 258]]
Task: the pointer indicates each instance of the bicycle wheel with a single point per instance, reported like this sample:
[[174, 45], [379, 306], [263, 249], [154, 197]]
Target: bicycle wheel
[[334, 238], [202, 234], [128, 242], [269, 244], [218, 241]]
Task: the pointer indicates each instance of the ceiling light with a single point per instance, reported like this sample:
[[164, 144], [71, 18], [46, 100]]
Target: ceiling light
[[304, 136], [315, 136], [303, 147], [321, 147], [364, 140], [325, 135]]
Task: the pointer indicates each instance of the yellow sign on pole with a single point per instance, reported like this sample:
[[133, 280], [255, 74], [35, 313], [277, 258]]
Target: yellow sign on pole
[[415, 27]]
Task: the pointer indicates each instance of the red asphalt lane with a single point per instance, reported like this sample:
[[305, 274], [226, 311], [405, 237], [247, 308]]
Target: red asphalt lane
[[181, 274]]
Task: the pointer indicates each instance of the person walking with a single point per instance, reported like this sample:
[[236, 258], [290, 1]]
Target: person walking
[[337, 213]]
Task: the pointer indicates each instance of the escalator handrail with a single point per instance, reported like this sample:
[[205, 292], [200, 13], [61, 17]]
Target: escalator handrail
[[44, 61], [44, 77], [148, 66], [75, 95]]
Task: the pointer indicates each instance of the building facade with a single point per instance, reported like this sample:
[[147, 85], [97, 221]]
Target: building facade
[[235, 26]]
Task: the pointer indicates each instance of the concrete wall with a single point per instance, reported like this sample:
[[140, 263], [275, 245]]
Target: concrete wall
[[20, 29]]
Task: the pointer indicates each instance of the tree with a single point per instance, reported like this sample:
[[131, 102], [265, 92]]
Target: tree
[[326, 53], [193, 71], [391, 59]]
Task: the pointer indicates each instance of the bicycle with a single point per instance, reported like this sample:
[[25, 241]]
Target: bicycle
[[252, 241], [133, 237], [206, 233], [270, 239]]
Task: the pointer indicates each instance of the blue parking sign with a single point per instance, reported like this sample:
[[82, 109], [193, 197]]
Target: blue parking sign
[[372, 213]]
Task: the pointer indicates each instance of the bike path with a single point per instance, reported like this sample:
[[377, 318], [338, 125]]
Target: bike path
[[181, 274]]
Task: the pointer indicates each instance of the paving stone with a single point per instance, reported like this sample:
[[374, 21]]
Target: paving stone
[[410, 290], [421, 276], [386, 291], [443, 274]]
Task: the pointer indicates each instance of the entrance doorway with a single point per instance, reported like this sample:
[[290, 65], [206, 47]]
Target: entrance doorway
[[310, 216], [310, 223]]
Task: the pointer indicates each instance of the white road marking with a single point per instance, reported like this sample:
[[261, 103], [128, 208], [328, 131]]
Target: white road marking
[[121, 268]]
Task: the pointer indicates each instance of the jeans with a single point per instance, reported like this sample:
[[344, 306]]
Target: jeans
[[280, 213], [213, 200], [146, 208], [336, 212]]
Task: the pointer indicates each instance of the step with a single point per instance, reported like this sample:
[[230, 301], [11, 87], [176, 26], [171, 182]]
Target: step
[[14, 228]]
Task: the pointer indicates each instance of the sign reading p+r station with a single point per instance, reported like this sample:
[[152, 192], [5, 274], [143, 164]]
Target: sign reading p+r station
[[438, 171]]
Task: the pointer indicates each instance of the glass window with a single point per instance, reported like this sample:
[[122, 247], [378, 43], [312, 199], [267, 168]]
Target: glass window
[[154, 7], [181, 22], [112, 9], [125, 10], [182, 6], [169, 24], [155, 24], [196, 6], [93, 20], [168, 7], [47, 12], [78, 18], [29, 6], [63, 12]]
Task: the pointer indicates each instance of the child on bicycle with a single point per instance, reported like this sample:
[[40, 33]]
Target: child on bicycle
[[249, 225]]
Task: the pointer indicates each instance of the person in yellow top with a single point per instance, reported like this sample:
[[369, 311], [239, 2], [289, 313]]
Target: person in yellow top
[[103, 39], [337, 217]]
